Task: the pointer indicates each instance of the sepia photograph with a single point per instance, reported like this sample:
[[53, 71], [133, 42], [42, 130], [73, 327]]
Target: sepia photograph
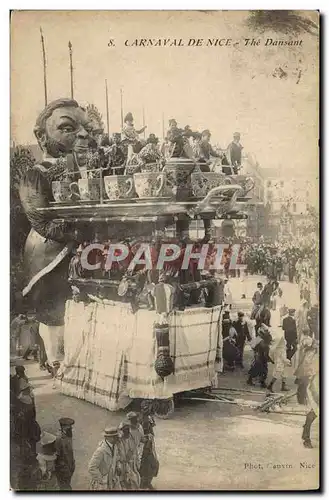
[[164, 250]]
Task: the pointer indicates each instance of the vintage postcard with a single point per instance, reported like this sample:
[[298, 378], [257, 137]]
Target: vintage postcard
[[164, 322]]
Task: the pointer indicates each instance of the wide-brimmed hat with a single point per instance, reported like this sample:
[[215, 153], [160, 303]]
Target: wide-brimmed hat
[[110, 432], [206, 132]]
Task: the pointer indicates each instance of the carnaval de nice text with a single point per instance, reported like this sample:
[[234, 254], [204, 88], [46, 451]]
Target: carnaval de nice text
[[178, 42]]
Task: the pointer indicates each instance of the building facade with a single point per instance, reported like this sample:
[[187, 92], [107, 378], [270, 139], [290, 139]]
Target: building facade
[[289, 201]]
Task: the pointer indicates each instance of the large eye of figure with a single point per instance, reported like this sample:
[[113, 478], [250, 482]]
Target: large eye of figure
[[67, 128]]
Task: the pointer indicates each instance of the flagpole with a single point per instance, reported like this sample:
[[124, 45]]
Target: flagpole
[[44, 66], [107, 109], [121, 102], [144, 121], [71, 69], [163, 127]]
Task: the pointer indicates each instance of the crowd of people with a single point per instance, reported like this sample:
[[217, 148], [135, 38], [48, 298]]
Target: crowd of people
[[125, 459], [276, 259], [52, 466], [128, 153], [277, 334]]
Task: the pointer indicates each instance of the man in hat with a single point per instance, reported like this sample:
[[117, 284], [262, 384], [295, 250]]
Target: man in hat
[[105, 466], [26, 426], [130, 136], [290, 333], [129, 132], [280, 363], [149, 464], [234, 152], [116, 155], [148, 155], [128, 456], [228, 299], [259, 366], [257, 300], [267, 292], [229, 334], [16, 389], [136, 430], [206, 151], [15, 379], [65, 463], [46, 460], [179, 139], [15, 333], [32, 347], [243, 334]]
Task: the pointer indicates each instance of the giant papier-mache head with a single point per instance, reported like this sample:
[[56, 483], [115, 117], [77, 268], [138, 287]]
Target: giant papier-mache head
[[63, 127]]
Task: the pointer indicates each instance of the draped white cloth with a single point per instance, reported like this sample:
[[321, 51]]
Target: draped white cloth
[[110, 352]]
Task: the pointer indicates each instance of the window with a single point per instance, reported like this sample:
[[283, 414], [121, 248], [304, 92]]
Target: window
[[270, 195], [269, 184], [294, 207], [281, 184], [307, 194]]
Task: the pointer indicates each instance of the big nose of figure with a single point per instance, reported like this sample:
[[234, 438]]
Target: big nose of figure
[[83, 138]]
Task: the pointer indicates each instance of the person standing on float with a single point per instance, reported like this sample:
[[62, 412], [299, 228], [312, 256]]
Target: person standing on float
[[62, 130]]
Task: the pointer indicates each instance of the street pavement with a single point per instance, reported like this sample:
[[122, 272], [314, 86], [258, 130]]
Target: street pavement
[[204, 445]]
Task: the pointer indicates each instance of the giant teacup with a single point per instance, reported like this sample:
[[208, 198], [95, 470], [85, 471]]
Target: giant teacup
[[119, 186], [178, 178], [149, 184], [203, 182], [87, 189]]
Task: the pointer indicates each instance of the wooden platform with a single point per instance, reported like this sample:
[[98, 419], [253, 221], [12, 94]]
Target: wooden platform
[[135, 210]]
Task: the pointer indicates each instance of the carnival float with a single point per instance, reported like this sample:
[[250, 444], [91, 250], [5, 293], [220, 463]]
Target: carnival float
[[132, 332], [140, 332]]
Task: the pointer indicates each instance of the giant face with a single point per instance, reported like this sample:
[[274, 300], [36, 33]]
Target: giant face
[[66, 130], [70, 128]]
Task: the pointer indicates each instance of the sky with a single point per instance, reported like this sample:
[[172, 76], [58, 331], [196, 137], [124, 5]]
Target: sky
[[224, 89]]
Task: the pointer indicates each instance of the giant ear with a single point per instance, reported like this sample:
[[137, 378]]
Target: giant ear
[[41, 136]]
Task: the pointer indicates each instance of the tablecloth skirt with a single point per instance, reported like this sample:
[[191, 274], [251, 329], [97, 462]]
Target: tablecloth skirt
[[110, 352]]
